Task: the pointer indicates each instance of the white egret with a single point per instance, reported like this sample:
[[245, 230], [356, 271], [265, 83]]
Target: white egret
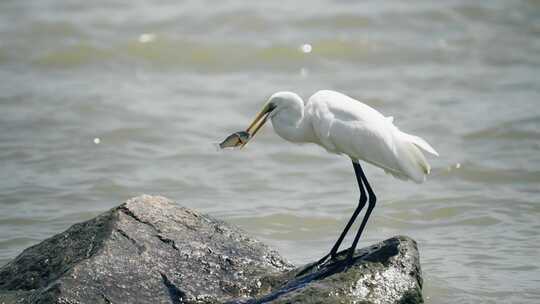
[[343, 125]]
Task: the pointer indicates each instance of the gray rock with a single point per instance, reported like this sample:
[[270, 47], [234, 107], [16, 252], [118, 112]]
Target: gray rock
[[149, 250], [388, 272]]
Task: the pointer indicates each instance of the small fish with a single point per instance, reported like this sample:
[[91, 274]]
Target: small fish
[[234, 140]]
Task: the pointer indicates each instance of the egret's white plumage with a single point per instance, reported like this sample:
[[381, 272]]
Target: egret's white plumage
[[344, 125]]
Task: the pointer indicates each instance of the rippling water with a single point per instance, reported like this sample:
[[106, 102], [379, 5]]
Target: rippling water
[[104, 100]]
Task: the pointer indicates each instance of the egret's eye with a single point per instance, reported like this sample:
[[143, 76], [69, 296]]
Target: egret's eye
[[271, 107]]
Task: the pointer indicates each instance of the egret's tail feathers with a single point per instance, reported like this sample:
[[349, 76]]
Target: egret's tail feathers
[[421, 161], [420, 142], [397, 174], [412, 160]]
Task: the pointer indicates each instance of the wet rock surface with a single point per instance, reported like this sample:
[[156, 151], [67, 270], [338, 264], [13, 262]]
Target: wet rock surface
[[388, 272], [149, 250]]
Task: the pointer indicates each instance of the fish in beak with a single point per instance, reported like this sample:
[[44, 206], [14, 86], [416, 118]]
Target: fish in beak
[[234, 140], [258, 122], [241, 138]]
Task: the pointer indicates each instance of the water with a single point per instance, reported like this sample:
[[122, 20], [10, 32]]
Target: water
[[101, 101]]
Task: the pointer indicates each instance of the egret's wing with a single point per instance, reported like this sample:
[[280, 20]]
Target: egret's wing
[[371, 141], [345, 125]]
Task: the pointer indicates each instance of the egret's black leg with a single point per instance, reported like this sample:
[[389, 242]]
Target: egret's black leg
[[371, 205], [361, 203]]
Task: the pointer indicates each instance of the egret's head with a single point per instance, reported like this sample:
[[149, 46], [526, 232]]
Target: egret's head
[[275, 104], [283, 100]]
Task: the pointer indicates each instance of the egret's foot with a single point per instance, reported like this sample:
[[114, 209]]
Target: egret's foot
[[329, 258], [349, 260]]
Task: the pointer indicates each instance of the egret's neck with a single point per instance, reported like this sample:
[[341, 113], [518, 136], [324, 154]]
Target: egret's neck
[[292, 124]]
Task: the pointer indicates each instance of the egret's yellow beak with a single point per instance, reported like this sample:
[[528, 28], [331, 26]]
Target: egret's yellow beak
[[259, 121]]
